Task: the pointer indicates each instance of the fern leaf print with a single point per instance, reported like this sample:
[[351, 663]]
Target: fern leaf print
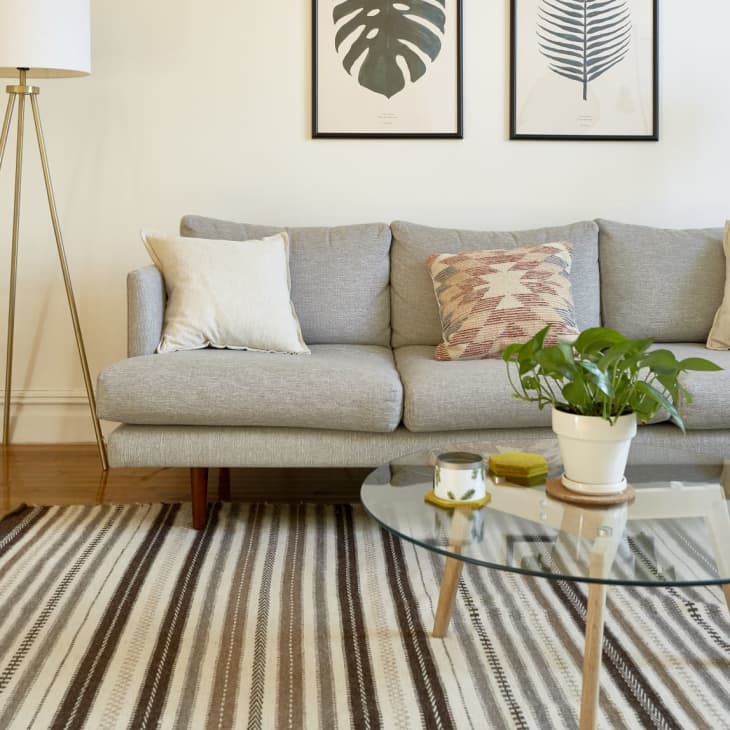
[[584, 39]]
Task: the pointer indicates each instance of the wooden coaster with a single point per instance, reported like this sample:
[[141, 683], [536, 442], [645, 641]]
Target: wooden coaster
[[556, 489]]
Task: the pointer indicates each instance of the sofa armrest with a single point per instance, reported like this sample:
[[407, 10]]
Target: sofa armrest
[[145, 310]]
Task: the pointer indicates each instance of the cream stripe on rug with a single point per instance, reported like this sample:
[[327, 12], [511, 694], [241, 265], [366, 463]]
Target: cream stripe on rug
[[314, 617]]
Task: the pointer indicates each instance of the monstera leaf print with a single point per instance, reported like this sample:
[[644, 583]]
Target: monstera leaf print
[[383, 31], [583, 39]]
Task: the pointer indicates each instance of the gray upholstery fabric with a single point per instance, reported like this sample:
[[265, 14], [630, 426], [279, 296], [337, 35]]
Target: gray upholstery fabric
[[461, 394], [710, 407], [186, 446], [282, 447], [660, 283], [343, 387], [145, 310], [340, 276], [415, 318]]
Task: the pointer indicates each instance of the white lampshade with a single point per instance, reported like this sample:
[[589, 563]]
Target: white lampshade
[[48, 37]]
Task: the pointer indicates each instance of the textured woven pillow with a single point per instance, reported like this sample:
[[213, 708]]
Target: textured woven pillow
[[226, 294], [490, 299], [719, 337]]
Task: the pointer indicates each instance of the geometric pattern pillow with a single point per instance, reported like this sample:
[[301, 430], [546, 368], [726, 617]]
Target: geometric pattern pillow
[[490, 299]]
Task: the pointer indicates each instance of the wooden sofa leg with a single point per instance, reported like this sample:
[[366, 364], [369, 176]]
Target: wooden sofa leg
[[224, 484], [199, 491]]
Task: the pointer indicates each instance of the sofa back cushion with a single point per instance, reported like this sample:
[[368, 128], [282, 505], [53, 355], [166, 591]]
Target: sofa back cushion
[[415, 311], [339, 276], [661, 283]]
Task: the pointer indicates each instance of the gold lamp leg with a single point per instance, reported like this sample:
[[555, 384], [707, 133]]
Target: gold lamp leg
[[9, 353], [13, 267], [67, 281], [22, 91]]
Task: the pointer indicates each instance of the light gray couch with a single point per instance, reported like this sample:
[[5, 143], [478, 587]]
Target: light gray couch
[[371, 389]]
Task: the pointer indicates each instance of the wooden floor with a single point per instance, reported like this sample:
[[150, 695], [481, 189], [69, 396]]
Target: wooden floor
[[70, 474]]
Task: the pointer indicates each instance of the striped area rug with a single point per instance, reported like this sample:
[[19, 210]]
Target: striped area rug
[[314, 617]]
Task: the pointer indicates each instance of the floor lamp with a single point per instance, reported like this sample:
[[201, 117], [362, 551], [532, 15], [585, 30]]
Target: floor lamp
[[42, 39]]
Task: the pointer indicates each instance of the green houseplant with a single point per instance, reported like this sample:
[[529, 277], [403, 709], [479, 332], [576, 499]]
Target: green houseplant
[[599, 386]]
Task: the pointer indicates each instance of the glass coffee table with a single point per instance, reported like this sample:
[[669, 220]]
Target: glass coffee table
[[675, 491]]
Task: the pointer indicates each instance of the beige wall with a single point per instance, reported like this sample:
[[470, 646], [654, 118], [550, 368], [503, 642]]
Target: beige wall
[[204, 106]]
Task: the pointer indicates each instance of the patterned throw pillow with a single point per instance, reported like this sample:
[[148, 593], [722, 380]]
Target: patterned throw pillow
[[490, 299]]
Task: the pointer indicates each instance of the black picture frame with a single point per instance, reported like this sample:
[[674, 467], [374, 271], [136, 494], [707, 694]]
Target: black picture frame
[[651, 135], [456, 133]]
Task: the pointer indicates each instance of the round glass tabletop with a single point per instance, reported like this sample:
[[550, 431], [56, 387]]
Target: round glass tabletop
[[676, 532]]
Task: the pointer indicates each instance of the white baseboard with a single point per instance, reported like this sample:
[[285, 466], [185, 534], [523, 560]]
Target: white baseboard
[[51, 416]]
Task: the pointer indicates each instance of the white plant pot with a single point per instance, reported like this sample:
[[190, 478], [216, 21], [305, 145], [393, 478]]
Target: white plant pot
[[594, 452]]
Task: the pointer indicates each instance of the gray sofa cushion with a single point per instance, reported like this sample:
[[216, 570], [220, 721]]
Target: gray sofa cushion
[[340, 276], [341, 387], [459, 395], [660, 283], [710, 407], [415, 312]]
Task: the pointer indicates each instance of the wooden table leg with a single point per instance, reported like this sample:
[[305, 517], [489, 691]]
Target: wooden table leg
[[447, 594], [460, 520], [592, 656]]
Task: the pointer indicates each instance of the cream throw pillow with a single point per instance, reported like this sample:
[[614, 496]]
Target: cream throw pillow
[[719, 337], [226, 294]]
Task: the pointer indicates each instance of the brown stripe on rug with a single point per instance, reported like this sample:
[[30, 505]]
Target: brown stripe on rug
[[154, 691], [227, 672], [258, 679], [322, 637], [362, 694], [77, 700], [425, 677], [27, 546], [14, 524], [291, 710], [195, 672]]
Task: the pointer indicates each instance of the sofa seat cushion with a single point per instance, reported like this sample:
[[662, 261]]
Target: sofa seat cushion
[[710, 407], [461, 394], [341, 387]]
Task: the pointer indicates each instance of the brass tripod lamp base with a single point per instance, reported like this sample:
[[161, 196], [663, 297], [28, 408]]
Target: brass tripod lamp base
[[20, 92]]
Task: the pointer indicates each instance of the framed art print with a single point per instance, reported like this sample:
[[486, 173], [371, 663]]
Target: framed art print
[[387, 68], [584, 69]]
